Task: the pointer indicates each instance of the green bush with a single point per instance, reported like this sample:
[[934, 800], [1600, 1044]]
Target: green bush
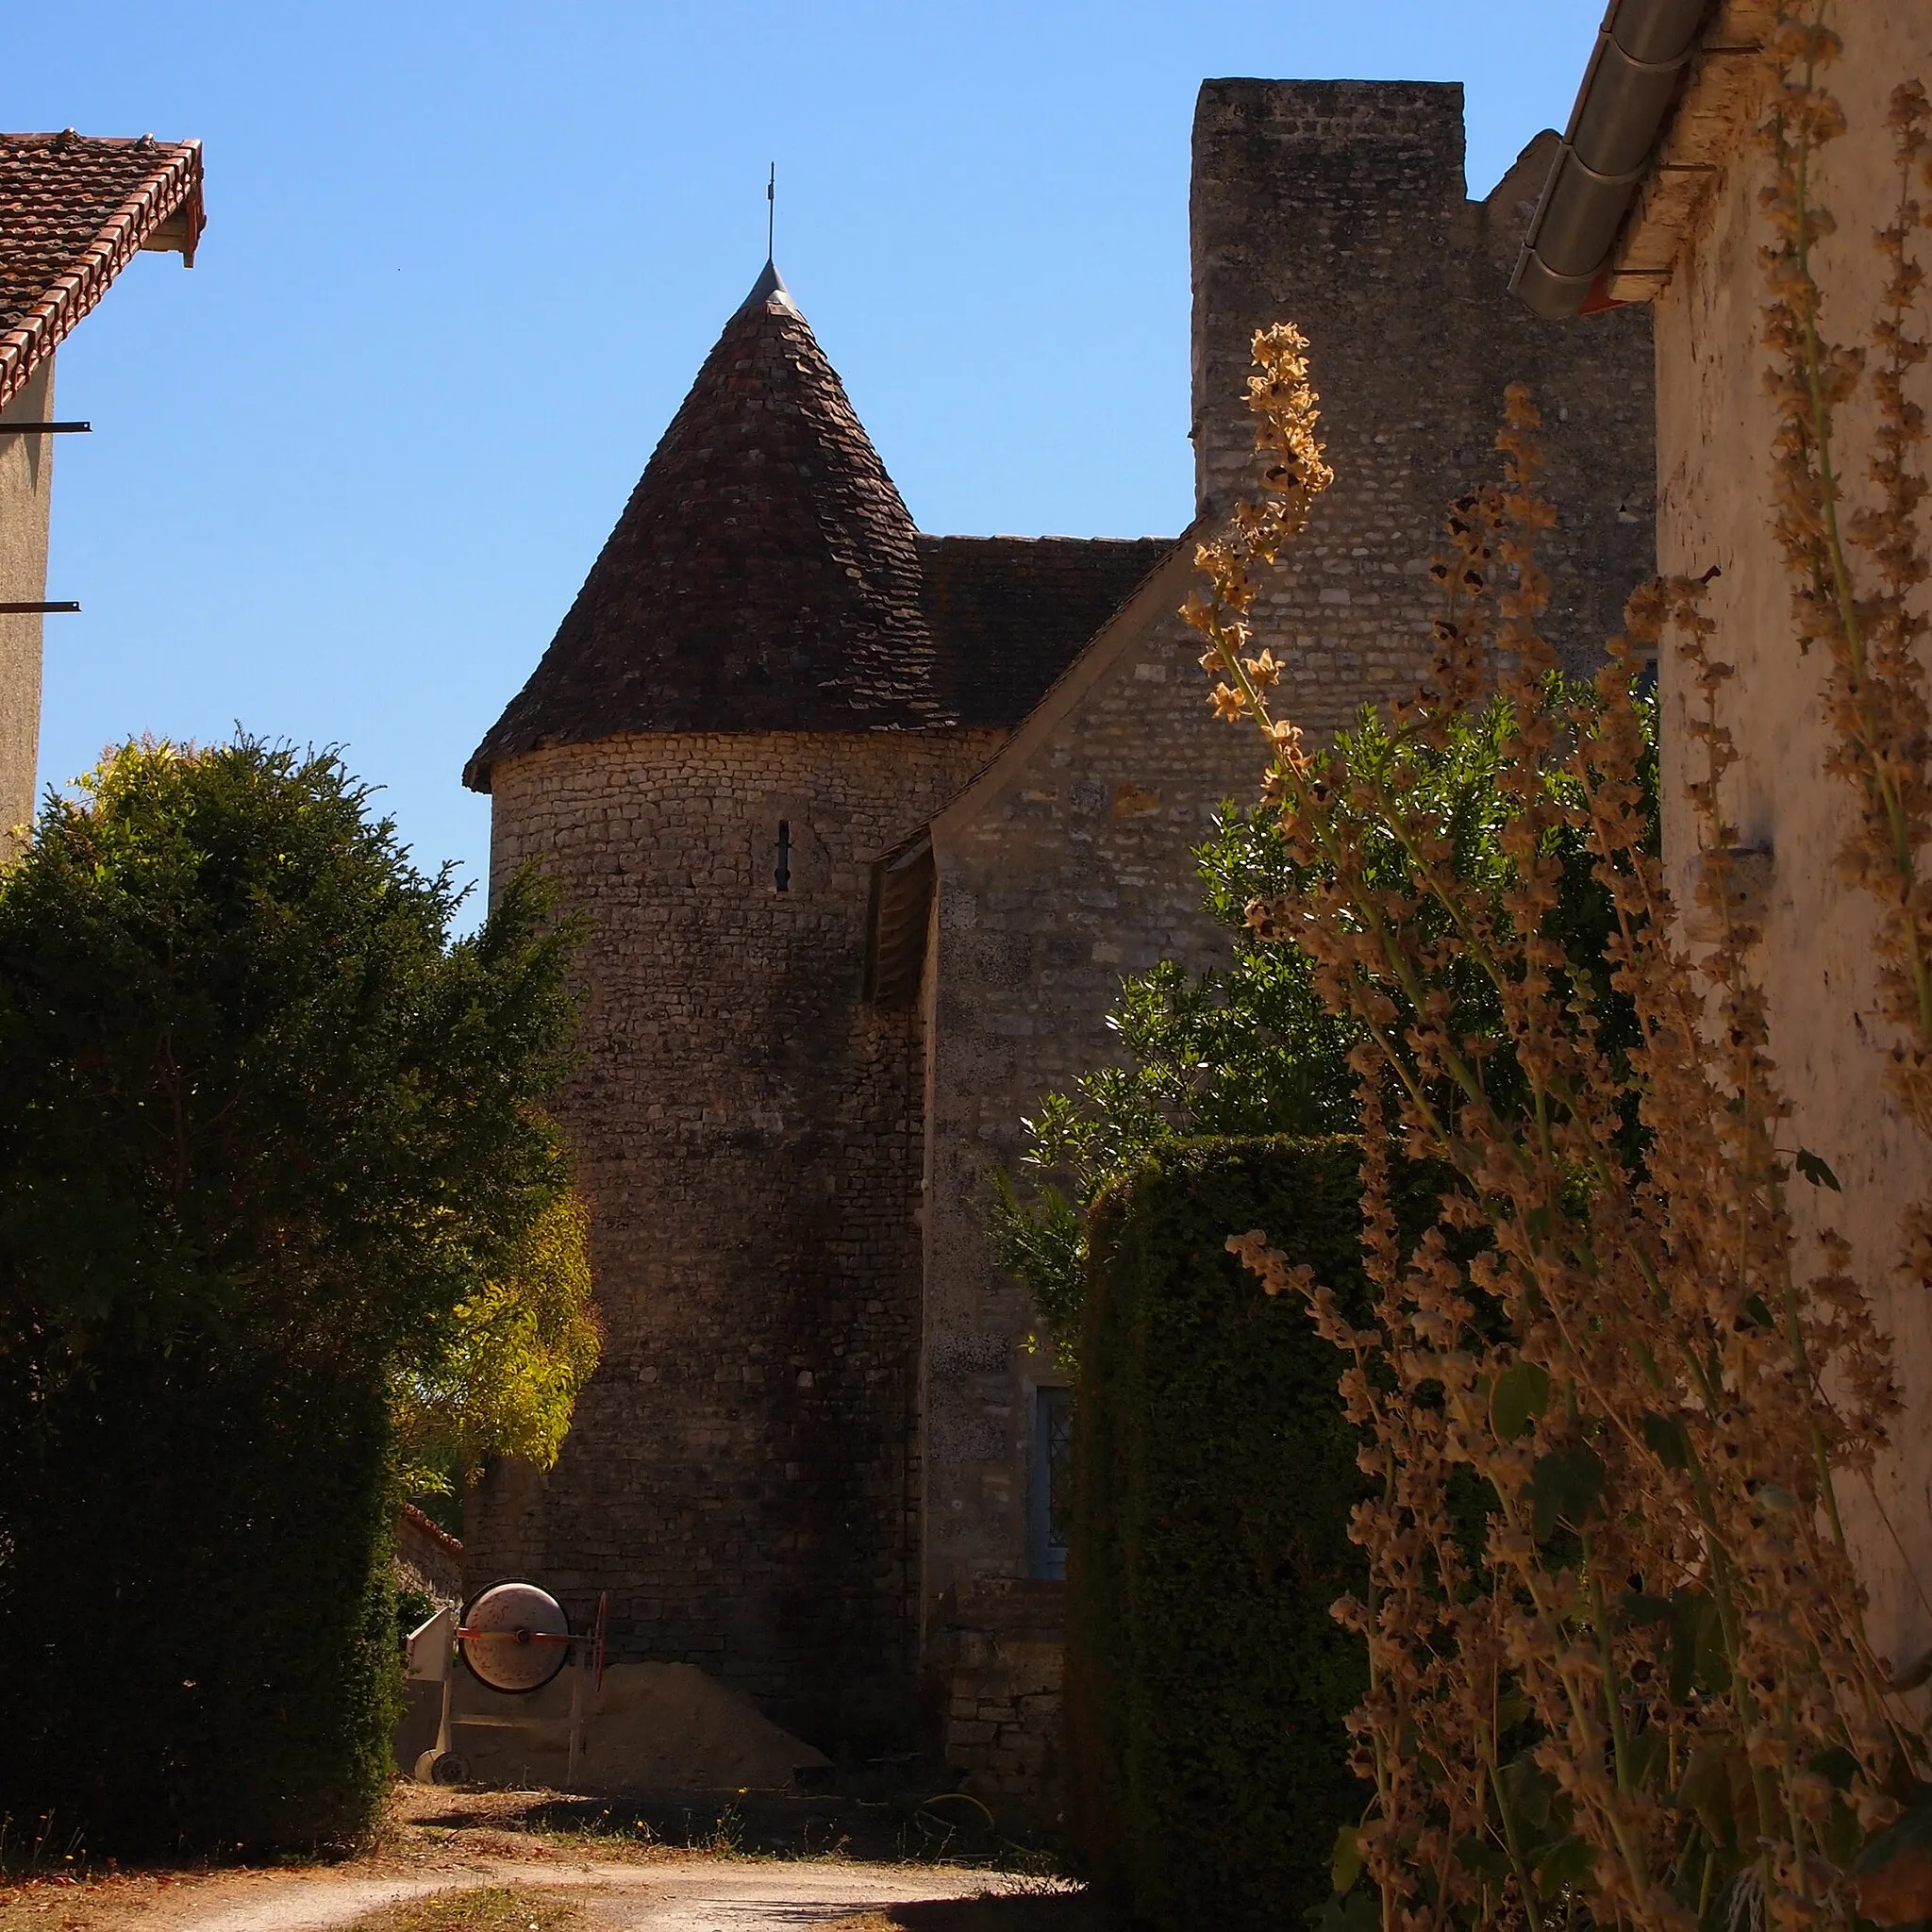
[[1252, 1048], [1214, 1473], [196, 1603], [265, 1131]]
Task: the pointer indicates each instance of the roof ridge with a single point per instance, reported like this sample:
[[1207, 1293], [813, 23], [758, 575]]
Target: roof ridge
[[164, 191]]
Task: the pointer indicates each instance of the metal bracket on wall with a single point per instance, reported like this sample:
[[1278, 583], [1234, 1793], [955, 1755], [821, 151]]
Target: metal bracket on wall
[[31, 610], [45, 429]]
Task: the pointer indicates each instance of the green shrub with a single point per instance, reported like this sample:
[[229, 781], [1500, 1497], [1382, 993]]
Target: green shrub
[[1214, 1473], [196, 1603], [266, 1131]]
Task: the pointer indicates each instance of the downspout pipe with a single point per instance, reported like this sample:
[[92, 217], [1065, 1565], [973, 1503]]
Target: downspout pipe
[[1640, 53]]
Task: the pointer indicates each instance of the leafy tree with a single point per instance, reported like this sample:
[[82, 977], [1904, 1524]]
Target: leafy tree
[[266, 1134], [1252, 1049], [508, 1380]]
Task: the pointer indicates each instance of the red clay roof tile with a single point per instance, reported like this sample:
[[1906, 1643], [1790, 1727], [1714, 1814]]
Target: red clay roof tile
[[73, 210]]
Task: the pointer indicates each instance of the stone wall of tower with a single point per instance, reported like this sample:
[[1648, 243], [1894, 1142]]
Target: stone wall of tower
[[741, 1476]]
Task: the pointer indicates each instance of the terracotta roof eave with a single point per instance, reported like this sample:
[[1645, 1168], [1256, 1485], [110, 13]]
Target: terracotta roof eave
[[173, 188], [434, 1531]]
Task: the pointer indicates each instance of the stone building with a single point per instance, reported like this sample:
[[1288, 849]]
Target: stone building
[[75, 210], [867, 825], [1684, 237]]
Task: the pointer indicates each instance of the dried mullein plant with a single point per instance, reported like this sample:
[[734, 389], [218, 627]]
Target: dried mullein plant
[[1617, 1660]]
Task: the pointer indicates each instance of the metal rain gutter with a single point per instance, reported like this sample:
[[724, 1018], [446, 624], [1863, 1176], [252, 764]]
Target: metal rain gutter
[[1640, 52]]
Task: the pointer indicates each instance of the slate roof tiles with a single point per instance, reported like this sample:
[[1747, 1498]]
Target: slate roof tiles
[[766, 576], [1008, 614]]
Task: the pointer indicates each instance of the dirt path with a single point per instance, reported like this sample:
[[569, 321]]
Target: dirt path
[[707, 1894], [585, 1869]]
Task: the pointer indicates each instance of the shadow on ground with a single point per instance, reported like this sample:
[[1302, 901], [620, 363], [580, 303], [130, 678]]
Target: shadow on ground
[[872, 1824], [1051, 1912]]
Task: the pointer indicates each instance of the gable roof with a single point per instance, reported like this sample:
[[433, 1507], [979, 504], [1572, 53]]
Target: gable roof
[[764, 575], [905, 878], [75, 208], [1008, 614]]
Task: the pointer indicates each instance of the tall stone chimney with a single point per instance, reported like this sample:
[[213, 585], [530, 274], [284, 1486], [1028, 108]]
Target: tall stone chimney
[[1340, 206]]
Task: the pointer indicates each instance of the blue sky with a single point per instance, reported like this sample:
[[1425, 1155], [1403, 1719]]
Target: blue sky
[[462, 265]]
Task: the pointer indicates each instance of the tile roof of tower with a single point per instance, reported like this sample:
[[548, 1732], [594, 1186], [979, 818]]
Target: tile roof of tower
[[75, 208], [764, 575]]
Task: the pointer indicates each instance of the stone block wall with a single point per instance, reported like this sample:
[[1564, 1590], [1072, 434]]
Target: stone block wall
[[996, 1658], [1339, 205], [1819, 958], [1067, 868], [427, 1559], [741, 1476]]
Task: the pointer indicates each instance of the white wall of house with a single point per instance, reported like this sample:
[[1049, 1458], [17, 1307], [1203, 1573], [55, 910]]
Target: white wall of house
[[1817, 960], [26, 476]]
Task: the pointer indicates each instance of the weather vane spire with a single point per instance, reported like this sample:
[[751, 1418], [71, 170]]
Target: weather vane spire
[[771, 210]]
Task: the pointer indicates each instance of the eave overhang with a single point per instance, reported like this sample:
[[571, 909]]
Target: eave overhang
[[163, 212], [1665, 103]]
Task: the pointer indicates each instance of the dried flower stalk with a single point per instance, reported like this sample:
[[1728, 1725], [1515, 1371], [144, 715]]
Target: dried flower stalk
[[1641, 1687]]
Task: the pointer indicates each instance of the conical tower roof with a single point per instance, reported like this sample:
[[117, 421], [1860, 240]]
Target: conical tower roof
[[764, 575]]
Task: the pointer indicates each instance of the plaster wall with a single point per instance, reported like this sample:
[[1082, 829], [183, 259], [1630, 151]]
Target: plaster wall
[[742, 1472], [1714, 438], [26, 477]]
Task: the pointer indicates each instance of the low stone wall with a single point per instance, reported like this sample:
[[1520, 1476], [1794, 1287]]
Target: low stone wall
[[428, 1559], [996, 1654]]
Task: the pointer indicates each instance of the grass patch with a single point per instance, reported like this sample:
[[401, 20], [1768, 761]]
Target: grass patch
[[485, 1909]]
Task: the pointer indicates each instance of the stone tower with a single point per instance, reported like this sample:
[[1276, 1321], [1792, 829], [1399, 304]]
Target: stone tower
[[743, 708]]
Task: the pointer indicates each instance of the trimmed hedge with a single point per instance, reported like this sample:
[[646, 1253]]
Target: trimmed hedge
[[195, 1602], [1206, 1683]]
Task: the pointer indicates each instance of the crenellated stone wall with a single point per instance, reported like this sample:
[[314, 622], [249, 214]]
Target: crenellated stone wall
[[741, 1474]]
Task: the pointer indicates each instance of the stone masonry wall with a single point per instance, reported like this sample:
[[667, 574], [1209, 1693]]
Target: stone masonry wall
[[741, 1474], [996, 1655], [1339, 205]]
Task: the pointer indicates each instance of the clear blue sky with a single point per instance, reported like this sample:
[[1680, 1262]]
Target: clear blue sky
[[462, 262]]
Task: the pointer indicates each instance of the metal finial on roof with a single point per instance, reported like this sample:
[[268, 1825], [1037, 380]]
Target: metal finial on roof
[[770, 283]]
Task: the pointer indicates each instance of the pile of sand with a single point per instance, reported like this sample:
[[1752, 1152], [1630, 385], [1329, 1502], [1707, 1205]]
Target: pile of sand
[[652, 1728]]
